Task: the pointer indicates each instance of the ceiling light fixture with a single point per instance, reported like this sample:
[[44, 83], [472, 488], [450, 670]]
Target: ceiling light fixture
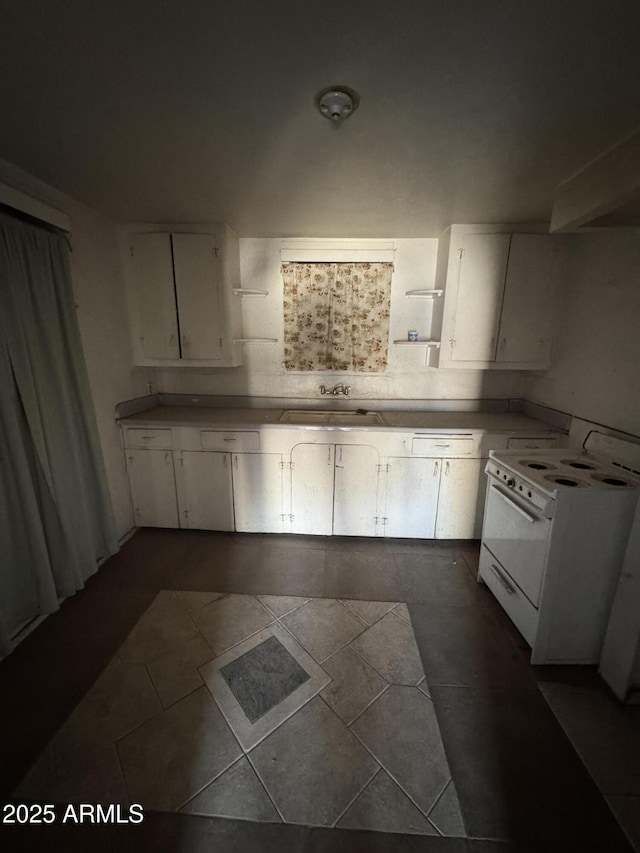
[[337, 102]]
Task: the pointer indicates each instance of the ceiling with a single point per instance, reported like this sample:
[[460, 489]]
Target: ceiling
[[202, 110]]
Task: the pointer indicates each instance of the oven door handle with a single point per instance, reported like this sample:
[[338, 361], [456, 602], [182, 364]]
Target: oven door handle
[[509, 500]]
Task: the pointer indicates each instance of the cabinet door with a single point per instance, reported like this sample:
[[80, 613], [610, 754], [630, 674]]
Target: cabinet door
[[205, 494], [155, 295], [257, 492], [412, 497], [312, 477], [197, 289], [355, 493], [529, 306], [153, 487], [479, 296], [461, 499]]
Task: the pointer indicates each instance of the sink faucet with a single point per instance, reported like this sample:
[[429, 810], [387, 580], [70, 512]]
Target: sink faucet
[[340, 388]]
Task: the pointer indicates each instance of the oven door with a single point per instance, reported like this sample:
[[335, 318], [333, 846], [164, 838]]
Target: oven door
[[517, 535]]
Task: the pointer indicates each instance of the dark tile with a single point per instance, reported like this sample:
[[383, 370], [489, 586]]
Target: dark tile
[[424, 547], [371, 576], [517, 776], [282, 540], [263, 677], [362, 841], [361, 544], [464, 646], [259, 570], [172, 833], [436, 579]]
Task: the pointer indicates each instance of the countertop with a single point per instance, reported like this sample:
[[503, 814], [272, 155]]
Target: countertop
[[429, 421]]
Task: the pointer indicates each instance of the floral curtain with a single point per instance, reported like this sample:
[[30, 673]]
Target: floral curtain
[[336, 316]]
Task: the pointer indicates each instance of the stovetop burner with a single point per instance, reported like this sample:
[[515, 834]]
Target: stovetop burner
[[578, 463], [537, 465], [561, 480]]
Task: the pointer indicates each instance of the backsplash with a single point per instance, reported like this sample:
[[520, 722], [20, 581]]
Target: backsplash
[[406, 378]]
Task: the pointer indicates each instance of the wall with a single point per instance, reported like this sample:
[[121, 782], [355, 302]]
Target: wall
[[406, 376], [99, 290], [595, 365]]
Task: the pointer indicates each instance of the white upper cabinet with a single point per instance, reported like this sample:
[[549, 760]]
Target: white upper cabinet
[[155, 298], [500, 298], [180, 282]]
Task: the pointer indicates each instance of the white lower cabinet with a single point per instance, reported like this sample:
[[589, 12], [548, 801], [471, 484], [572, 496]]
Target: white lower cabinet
[[412, 497], [461, 499], [312, 479], [356, 491], [334, 490], [153, 487], [204, 489], [257, 492]]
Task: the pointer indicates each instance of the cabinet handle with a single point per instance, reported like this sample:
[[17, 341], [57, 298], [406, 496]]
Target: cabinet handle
[[436, 468], [167, 458], [442, 445], [504, 582], [229, 439], [446, 470]]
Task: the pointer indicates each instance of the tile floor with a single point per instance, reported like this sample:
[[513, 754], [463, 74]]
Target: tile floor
[[149, 627], [266, 708]]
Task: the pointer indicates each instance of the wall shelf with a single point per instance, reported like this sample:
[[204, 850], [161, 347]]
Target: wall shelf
[[255, 340], [435, 344], [423, 294], [246, 291]]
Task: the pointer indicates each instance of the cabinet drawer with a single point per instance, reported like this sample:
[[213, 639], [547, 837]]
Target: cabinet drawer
[[232, 441], [137, 437], [446, 445], [513, 601], [531, 443]]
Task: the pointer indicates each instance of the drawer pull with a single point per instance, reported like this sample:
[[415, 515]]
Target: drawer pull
[[505, 583], [442, 445], [229, 439]]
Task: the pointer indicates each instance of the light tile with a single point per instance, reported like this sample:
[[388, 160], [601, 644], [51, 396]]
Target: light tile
[[312, 766], [175, 674], [627, 812], [323, 626], [383, 807], [230, 620], [280, 605], [354, 686], [122, 698], [422, 685], [172, 757], [369, 611], [193, 601], [390, 647], [157, 632], [403, 612], [446, 813], [94, 778], [249, 734], [400, 729], [238, 793]]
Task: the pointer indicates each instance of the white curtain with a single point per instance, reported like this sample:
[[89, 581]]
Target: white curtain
[[336, 316]]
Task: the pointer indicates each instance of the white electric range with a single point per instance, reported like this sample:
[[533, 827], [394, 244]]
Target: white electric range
[[556, 525]]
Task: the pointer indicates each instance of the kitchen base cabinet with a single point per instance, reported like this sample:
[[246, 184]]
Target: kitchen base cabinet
[[204, 490], [412, 497], [312, 479], [355, 496], [334, 490], [153, 487], [257, 492], [461, 499]]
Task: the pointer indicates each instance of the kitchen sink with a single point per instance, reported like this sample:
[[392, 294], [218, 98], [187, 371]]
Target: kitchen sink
[[329, 417]]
